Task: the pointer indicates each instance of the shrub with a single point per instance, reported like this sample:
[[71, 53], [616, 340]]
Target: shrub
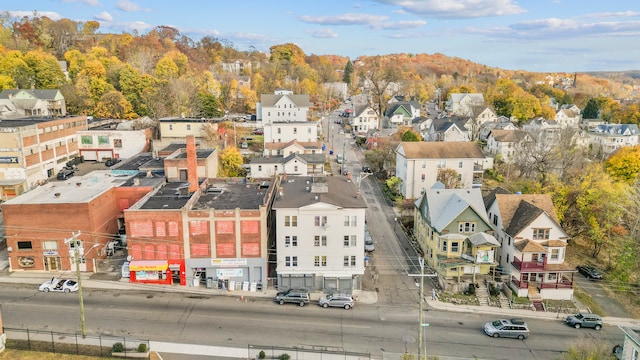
[[284, 357], [142, 347], [117, 347], [261, 355]]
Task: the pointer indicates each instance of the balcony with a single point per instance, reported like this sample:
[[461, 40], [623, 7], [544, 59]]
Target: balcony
[[477, 168], [528, 266], [519, 284], [563, 284]]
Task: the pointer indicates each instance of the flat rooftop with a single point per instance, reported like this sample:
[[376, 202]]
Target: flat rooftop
[[299, 191], [77, 189], [200, 154], [172, 196], [31, 120], [228, 196]]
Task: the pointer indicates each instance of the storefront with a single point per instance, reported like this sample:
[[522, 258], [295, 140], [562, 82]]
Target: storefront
[[165, 272], [246, 274]]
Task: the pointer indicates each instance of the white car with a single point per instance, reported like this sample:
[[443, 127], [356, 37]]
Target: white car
[[59, 285]]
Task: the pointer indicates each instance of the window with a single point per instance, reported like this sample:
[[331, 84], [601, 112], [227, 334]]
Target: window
[[259, 167], [553, 276], [294, 240], [295, 130], [117, 143], [444, 245], [424, 164], [50, 245], [349, 261], [346, 241], [287, 241], [455, 246], [541, 234], [442, 164], [346, 220], [460, 165], [188, 126], [555, 254], [495, 219], [353, 261], [324, 261], [103, 140], [345, 261], [525, 277], [291, 221], [170, 127], [316, 240], [354, 221], [324, 240], [466, 227], [320, 220], [287, 261], [294, 221], [316, 261], [287, 221], [295, 260], [279, 132], [423, 177], [295, 168], [24, 245], [86, 140]]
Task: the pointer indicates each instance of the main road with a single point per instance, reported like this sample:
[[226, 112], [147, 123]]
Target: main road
[[227, 321]]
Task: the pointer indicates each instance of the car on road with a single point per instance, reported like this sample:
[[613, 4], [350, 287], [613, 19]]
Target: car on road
[[513, 328], [368, 241], [589, 272], [294, 296], [336, 300], [339, 158], [584, 320], [367, 170], [59, 285]]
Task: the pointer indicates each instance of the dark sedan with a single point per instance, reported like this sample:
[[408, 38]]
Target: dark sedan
[[589, 272]]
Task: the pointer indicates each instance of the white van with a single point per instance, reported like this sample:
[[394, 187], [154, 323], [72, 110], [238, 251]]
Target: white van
[[339, 158]]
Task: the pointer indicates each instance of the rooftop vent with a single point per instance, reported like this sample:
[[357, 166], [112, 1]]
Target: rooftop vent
[[215, 190]]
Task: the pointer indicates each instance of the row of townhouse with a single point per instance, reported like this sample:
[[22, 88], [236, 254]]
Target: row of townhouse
[[467, 238]]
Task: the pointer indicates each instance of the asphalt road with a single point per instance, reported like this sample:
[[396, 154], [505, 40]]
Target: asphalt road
[[224, 321]]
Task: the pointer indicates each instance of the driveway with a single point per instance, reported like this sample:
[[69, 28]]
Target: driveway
[[595, 290]]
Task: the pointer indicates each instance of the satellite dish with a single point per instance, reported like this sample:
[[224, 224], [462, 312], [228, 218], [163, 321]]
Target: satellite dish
[[129, 257]]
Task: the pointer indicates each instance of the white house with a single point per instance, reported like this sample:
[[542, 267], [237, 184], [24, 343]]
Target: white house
[[568, 117], [631, 346], [448, 129], [283, 132], [504, 143], [464, 104], [401, 113], [17, 103], [608, 138], [292, 147], [283, 106], [319, 225], [364, 119], [291, 164], [417, 164], [99, 145], [533, 245]]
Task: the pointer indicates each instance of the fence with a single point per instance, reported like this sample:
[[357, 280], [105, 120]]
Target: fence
[[68, 343], [302, 353]]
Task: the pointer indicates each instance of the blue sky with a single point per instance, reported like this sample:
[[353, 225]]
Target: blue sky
[[532, 35]]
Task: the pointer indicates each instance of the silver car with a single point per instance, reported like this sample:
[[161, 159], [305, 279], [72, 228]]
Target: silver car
[[342, 301], [513, 328]]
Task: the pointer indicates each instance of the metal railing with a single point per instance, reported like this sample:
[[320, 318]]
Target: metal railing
[[69, 343]]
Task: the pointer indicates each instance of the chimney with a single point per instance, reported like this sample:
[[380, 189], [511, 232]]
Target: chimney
[[192, 164]]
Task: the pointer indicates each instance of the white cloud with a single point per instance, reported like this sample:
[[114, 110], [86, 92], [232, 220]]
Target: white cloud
[[129, 6], [346, 19], [618, 14], [87, 2], [103, 16], [20, 14], [400, 25], [322, 33], [554, 28], [451, 9]]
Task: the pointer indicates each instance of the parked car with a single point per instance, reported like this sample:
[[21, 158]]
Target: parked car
[[341, 301], [258, 132], [111, 162], [295, 296], [64, 174], [367, 170], [514, 328], [584, 320], [339, 158], [368, 241], [244, 145], [589, 272], [59, 285]]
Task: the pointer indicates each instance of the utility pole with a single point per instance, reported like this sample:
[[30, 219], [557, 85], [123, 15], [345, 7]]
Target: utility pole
[[344, 142], [75, 251], [422, 343]]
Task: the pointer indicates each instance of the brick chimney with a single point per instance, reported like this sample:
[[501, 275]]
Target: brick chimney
[[192, 164]]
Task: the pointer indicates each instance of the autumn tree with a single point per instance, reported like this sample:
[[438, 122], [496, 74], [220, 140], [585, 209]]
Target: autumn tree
[[624, 164], [113, 105], [599, 204], [377, 77], [230, 162], [410, 135], [450, 178]]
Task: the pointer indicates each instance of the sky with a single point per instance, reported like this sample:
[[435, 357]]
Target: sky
[[530, 35]]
